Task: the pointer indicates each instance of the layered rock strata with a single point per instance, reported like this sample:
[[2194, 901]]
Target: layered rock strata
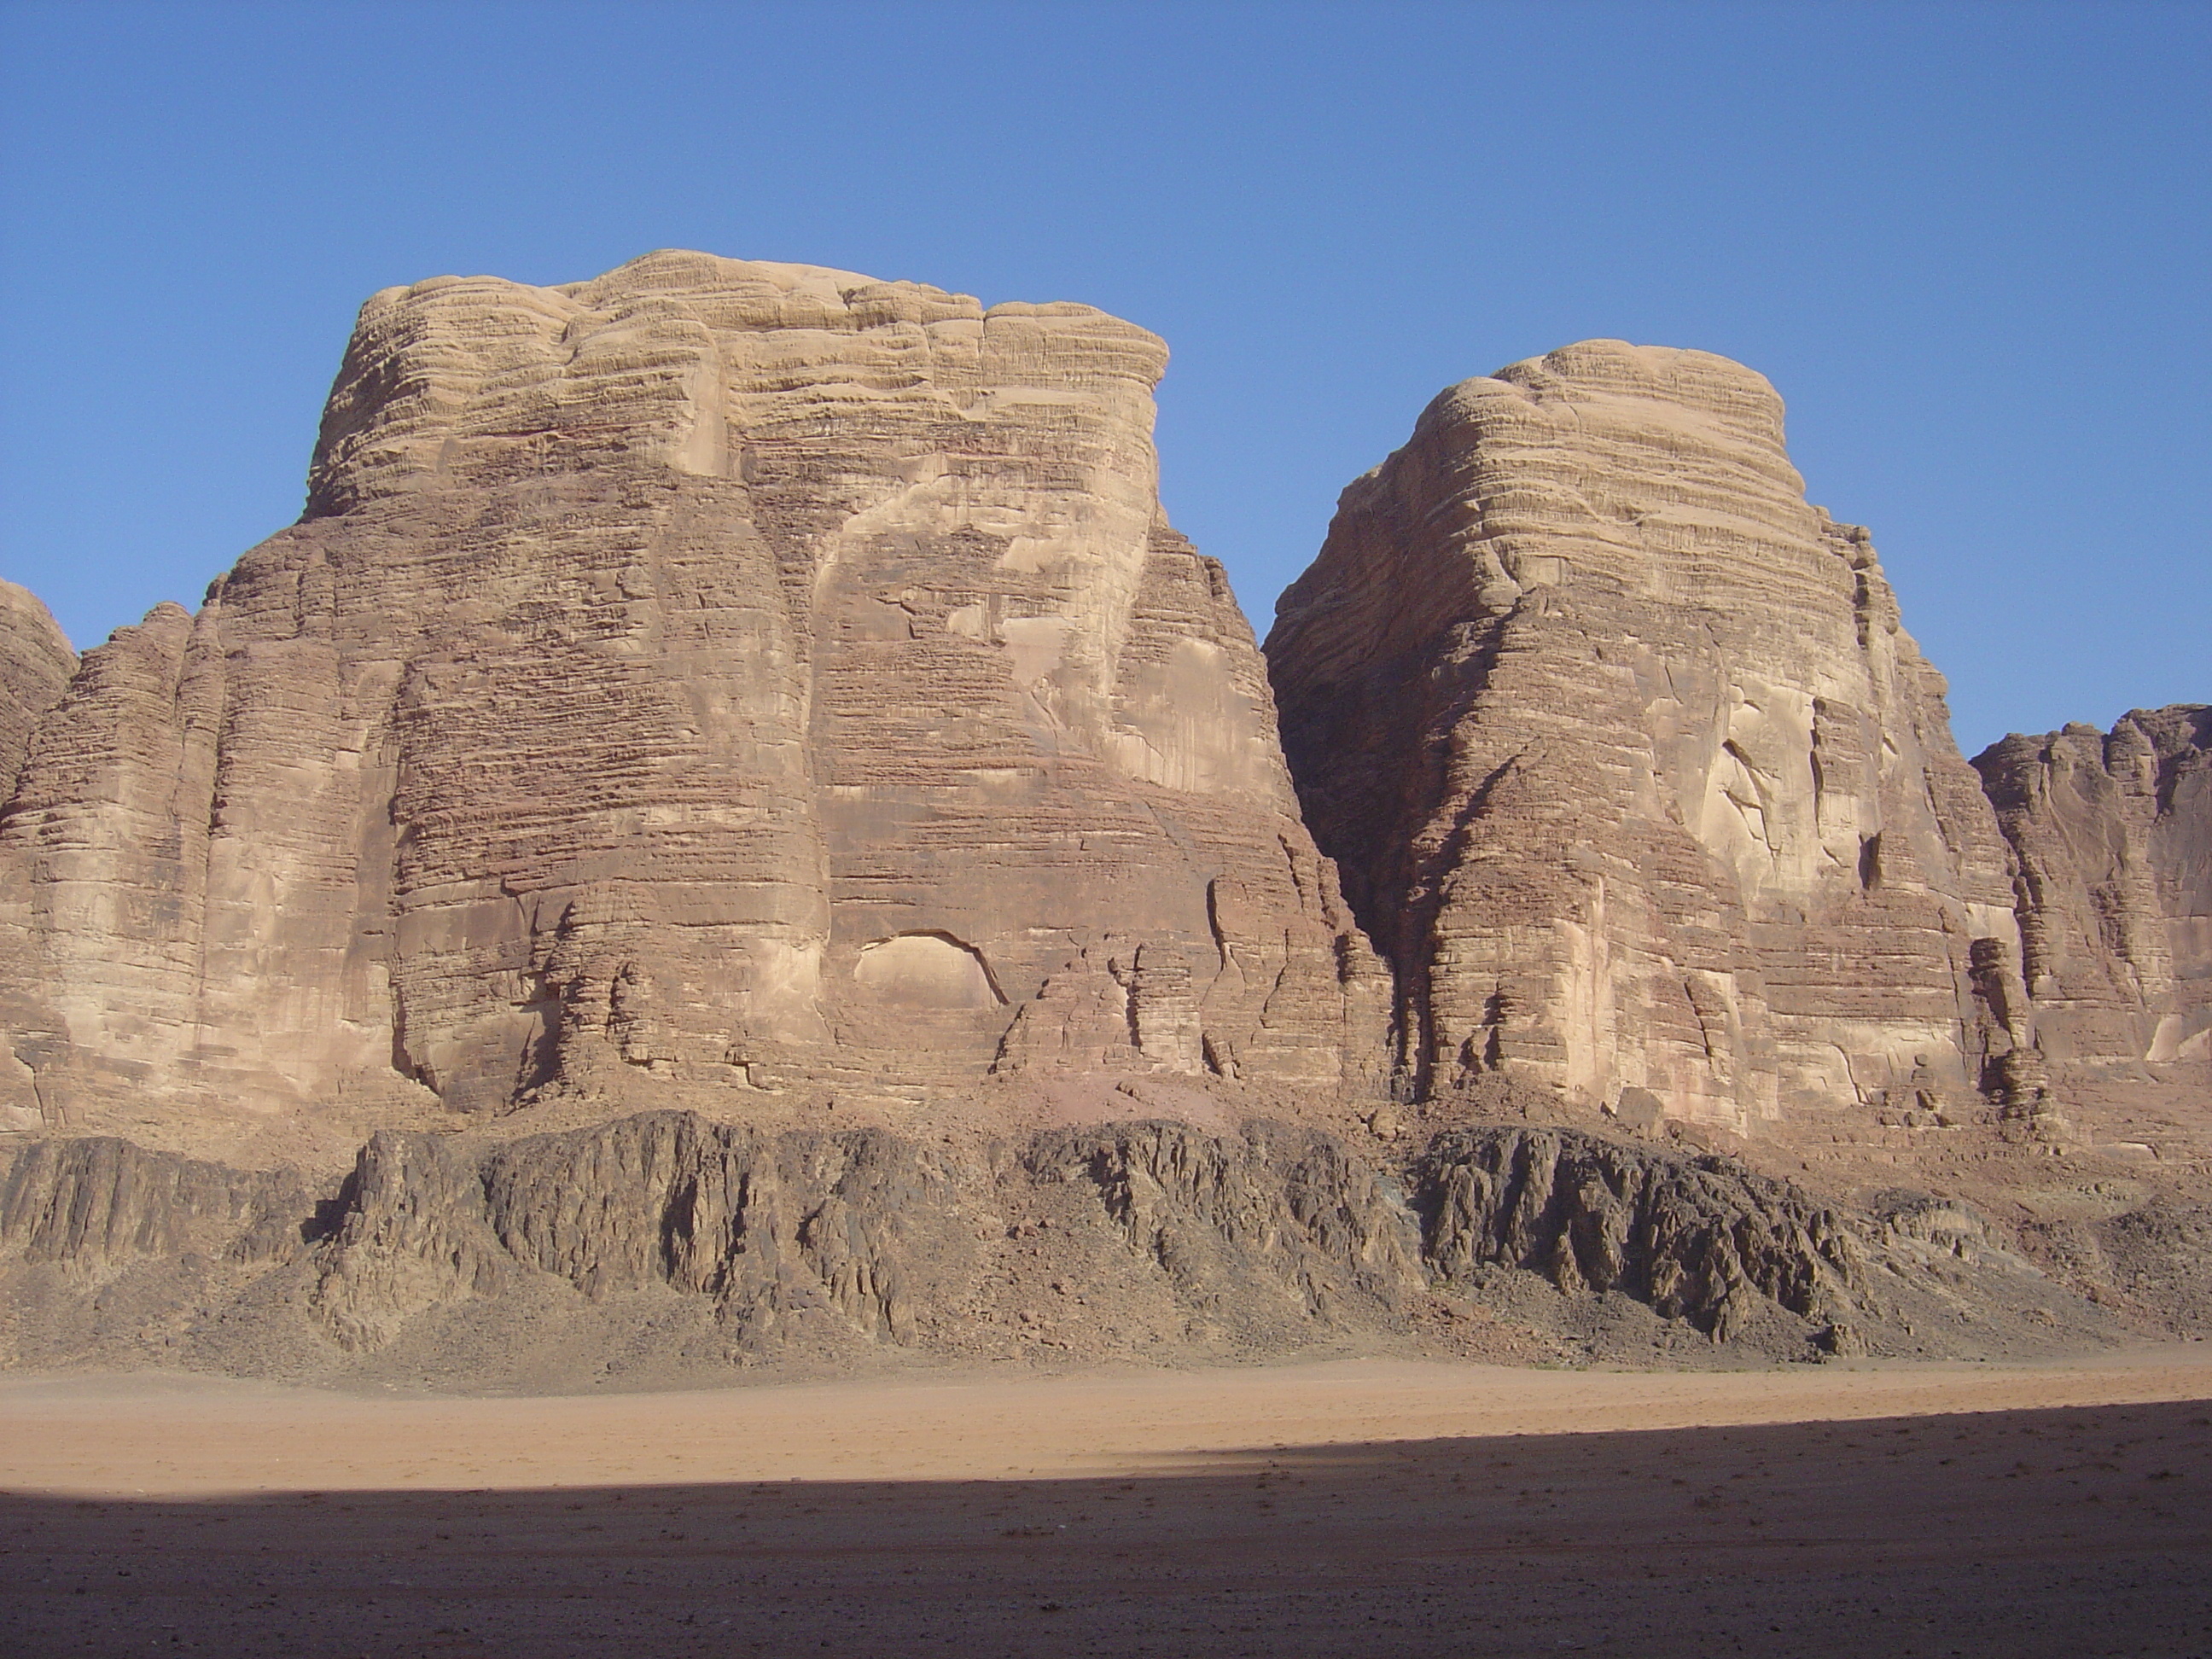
[[714, 675], [2110, 835], [1632, 771], [668, 1247]]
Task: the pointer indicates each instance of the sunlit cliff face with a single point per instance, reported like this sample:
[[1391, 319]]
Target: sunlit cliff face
[[705, 677], [1632, 771]]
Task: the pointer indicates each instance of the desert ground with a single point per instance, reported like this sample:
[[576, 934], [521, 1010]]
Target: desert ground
[[1357, 1508]]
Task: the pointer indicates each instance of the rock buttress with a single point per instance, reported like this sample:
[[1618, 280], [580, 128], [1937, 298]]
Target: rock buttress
[[2111, 840], [1631, 770], [36, 662]]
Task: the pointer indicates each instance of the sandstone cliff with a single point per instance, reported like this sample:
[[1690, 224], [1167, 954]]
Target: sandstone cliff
[[771, 701], [2111, 842], [1632, 773], [716, 677], [36, 663]]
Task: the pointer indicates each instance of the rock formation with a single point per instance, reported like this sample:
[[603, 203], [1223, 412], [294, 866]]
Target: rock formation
[[1697, 1238], [36, 663], [2112, 841], [1632, 772], [714, 676], [667, 1248], [748, 693]]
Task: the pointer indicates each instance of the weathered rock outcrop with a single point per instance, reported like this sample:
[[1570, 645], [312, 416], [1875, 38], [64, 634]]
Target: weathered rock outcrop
[[1631, 770], [714, 674], [767, 1227], [2112, 841], [669, 1248], [1266, 1239], [101, 1205], [1237, 1223], [36, 661], [1697, 1238]]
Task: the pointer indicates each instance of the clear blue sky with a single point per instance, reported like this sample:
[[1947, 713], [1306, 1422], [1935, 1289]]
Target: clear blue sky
[[1969, 242]]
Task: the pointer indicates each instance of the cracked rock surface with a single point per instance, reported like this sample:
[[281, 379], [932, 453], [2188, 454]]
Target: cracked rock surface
[[664, 1249]]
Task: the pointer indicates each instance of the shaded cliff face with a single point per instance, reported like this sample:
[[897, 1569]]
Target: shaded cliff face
[[2112, 839], [1632, 772], [714, 674]]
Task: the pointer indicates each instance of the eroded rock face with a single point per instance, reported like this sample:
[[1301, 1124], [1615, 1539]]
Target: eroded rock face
[[1283, 1215], [1632, 771], [100, 1205], [860, 1226], [1699, 1238], [36, 661], [2112, 841], [711, 674], [670, 1247]]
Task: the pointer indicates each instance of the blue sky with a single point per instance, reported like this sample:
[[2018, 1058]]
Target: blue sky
[[1968, 242]]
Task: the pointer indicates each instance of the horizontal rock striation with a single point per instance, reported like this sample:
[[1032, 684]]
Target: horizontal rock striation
[[1631, 770], [714, 676], [2110, 835]]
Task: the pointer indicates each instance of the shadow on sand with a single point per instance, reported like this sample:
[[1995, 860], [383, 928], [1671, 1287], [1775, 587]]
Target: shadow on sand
[[2069, 1533]]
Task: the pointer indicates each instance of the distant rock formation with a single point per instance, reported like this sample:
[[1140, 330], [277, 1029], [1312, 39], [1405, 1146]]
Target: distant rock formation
[[1631, 770], [714, 674], [36, 663], [2111, 842]]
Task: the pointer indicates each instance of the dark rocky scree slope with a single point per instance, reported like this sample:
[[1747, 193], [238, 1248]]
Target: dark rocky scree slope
[[664, 1248]]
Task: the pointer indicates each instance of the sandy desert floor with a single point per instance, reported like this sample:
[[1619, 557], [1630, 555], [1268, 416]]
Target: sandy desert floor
[[1356, 1509]]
